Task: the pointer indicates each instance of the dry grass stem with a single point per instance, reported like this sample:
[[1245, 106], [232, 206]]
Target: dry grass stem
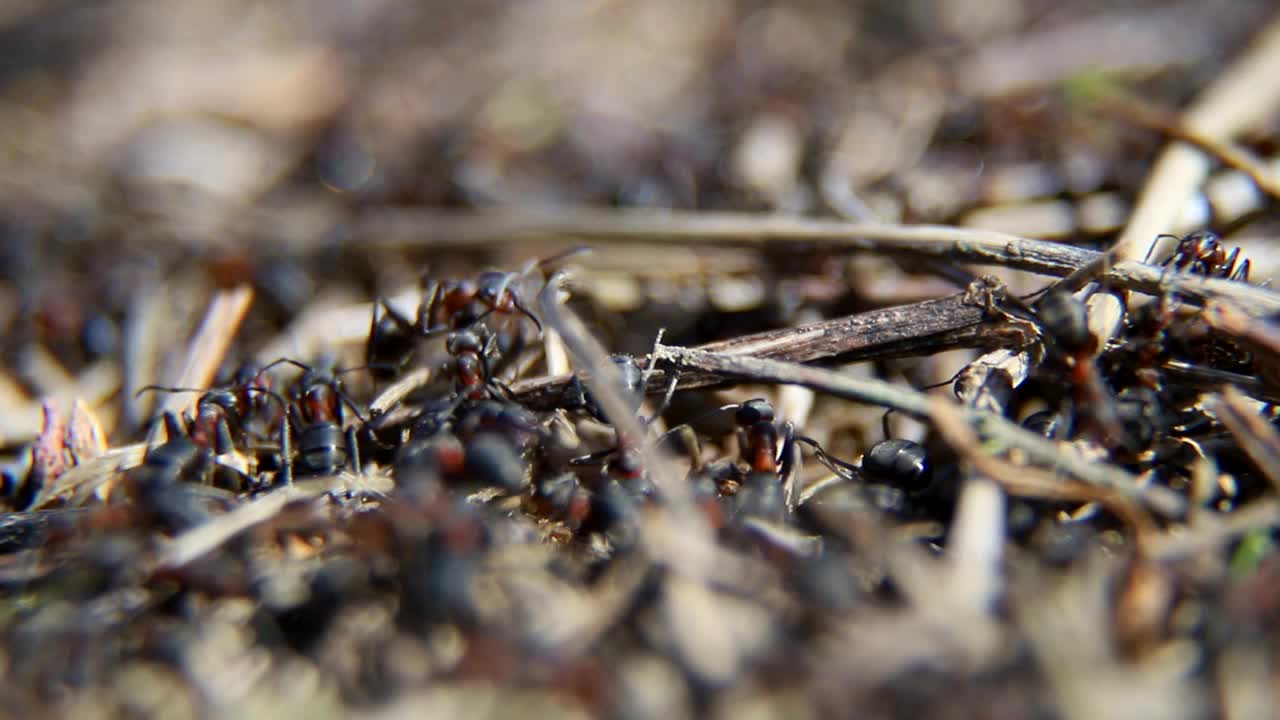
[[209, 346]]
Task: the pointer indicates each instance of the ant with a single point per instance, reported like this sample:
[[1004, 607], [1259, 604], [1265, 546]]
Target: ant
[[220, 412], [458, 304], [474, 387], [624, 461], [770, 451], [472, 378], [454, 305], [190, 455], [1202, 253], [1065, 321], [317, 417]]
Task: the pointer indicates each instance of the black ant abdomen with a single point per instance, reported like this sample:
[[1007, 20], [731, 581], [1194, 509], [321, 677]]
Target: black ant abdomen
[[1066, 321], [900, 463]]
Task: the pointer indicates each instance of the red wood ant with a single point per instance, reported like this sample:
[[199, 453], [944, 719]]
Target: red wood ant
[[1202, 253], [316, 415], [454, 305], [191, 454], [471, 377], [1065, 321], [223, 411]]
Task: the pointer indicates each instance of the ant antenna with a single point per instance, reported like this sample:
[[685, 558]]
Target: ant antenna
[[287, 361], [703, 416], [332, 382], [1156, 243], [342, 396], [167, 388]]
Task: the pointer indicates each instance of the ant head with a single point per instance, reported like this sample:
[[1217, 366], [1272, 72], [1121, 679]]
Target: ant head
[[491, 285], [226, 400], [249, 374], [753, 411], [1202, 245]]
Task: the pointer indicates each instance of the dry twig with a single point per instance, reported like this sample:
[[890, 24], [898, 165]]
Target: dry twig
[[915, 329], [209, 345], [992, 428], [412, 228]]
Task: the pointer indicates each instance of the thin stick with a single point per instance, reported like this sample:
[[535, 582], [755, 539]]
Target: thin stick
[[208, 347], [876, 392], [211, 535], [409, 228], [1261, 337], [442, 229], [1029, 482], [1257, 515], [83, 479], [1259, 440], [1245, 95], [1167, 123], [917, 328], [605, 381], [399, 390]]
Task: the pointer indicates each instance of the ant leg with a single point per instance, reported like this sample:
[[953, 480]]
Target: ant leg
[[353, 450], [692, 446], [173, 425], [402, 323], [594, 459], [222, 443], [397, 316], [846, 470], [1228, 265], [428, 309], [504, 389], [884, 421], [346, 399], [789, 465], [787, 455], [1155, 244], [287, 426], [1241, 272]]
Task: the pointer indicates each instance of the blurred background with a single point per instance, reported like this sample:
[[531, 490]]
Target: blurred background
[[149, 156]]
